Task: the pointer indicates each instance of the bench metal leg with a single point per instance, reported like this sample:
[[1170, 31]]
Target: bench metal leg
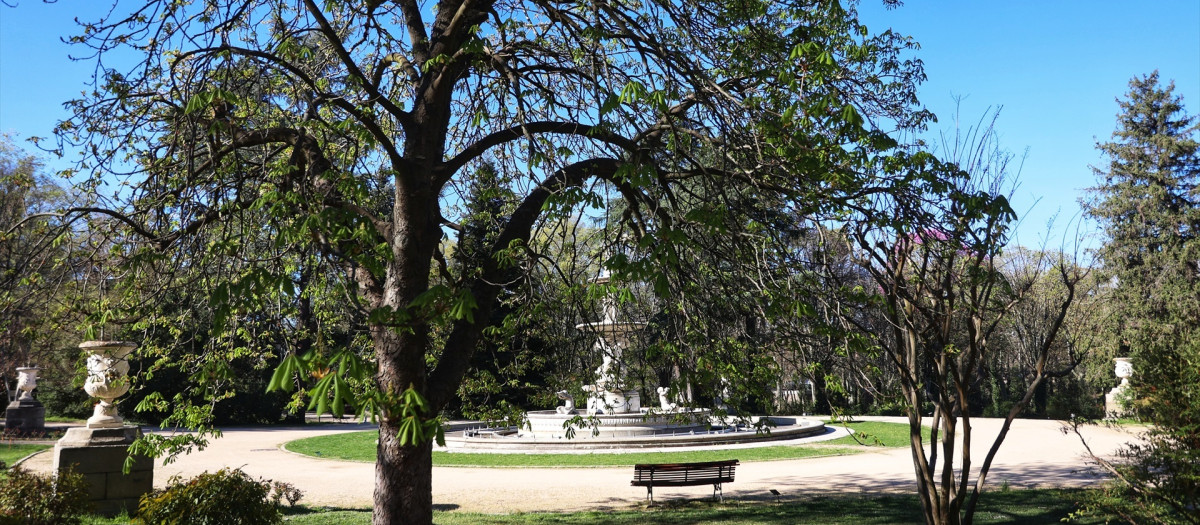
[[718, 492], [650, 493]]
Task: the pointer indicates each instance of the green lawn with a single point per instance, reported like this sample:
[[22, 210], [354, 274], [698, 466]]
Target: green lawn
[[360, 446], [1017, 506], [11, 452], [875, 433]]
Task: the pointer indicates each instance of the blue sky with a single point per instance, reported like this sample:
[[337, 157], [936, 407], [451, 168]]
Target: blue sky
[[1056, 67]]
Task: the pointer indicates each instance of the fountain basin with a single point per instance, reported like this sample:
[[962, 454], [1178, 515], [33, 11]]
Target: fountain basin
[[625, 434], [549, 424]]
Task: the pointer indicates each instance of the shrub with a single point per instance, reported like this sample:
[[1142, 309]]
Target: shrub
[[281, 491], [64, 398], [226, 497], [31, 499]]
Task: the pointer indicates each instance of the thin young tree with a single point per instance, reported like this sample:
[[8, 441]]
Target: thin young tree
[[935, 260]]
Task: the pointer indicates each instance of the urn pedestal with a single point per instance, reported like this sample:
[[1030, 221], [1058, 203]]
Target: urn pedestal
[[99, 455], [25, 415], [98, 451]]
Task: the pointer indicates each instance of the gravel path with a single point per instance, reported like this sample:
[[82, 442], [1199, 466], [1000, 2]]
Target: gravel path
[[1035, 454]]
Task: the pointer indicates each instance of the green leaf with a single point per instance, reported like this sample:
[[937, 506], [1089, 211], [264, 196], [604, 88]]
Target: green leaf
[[416, 426], [194, 104], [464, 306], [287, 369], [320, 394]]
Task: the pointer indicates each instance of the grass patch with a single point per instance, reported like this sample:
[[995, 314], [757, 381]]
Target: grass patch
[[876, 433], [360, 446], [347, 446], [121, 519], [11, 452], [1002, 507]]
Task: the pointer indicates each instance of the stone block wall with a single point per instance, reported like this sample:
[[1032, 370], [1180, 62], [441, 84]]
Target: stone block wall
[[99, 455]]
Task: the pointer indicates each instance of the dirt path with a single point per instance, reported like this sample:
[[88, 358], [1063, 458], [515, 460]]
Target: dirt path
[[1035, 454]]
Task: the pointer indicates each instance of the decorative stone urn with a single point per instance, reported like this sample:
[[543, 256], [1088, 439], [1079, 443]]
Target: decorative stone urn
[[1124, 369], [107, 379], [27, 381], [25, 415], [100, 451], [1118, 395]]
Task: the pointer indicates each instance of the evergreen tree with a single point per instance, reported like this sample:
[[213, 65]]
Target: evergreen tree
[[1148, 205]]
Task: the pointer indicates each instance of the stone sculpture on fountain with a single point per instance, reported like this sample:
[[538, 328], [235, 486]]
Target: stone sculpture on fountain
[[664, 402], [569, 406]]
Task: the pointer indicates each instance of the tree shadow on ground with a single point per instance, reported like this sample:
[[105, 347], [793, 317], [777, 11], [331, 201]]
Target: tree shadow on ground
[[1037, 507], [304, 510], [1010, 507]]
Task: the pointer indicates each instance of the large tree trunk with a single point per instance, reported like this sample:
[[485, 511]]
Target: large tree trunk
[[404, 474], [403, 481]]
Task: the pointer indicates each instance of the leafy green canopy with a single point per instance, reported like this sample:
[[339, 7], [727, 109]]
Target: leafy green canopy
[[299, 172], [288, 153]]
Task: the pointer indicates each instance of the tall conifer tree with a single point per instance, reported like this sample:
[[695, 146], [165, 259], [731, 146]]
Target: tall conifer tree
[[1149, 206]]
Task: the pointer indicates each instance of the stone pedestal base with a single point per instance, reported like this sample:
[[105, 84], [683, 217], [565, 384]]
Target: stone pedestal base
[[1112, 402], [25, 416], [627, 402], [99, 455]]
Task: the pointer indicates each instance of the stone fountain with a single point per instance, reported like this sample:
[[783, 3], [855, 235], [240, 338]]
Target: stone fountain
[[613, 417], [608, 395], [613, 409]]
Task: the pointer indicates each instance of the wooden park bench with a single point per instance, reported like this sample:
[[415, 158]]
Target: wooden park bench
[[684, 474]]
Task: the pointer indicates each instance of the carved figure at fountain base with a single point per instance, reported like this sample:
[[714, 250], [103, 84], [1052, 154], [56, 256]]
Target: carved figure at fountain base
[[664, 402], [569, 407]]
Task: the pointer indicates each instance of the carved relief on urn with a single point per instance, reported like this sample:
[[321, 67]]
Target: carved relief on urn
[[107, 379]]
